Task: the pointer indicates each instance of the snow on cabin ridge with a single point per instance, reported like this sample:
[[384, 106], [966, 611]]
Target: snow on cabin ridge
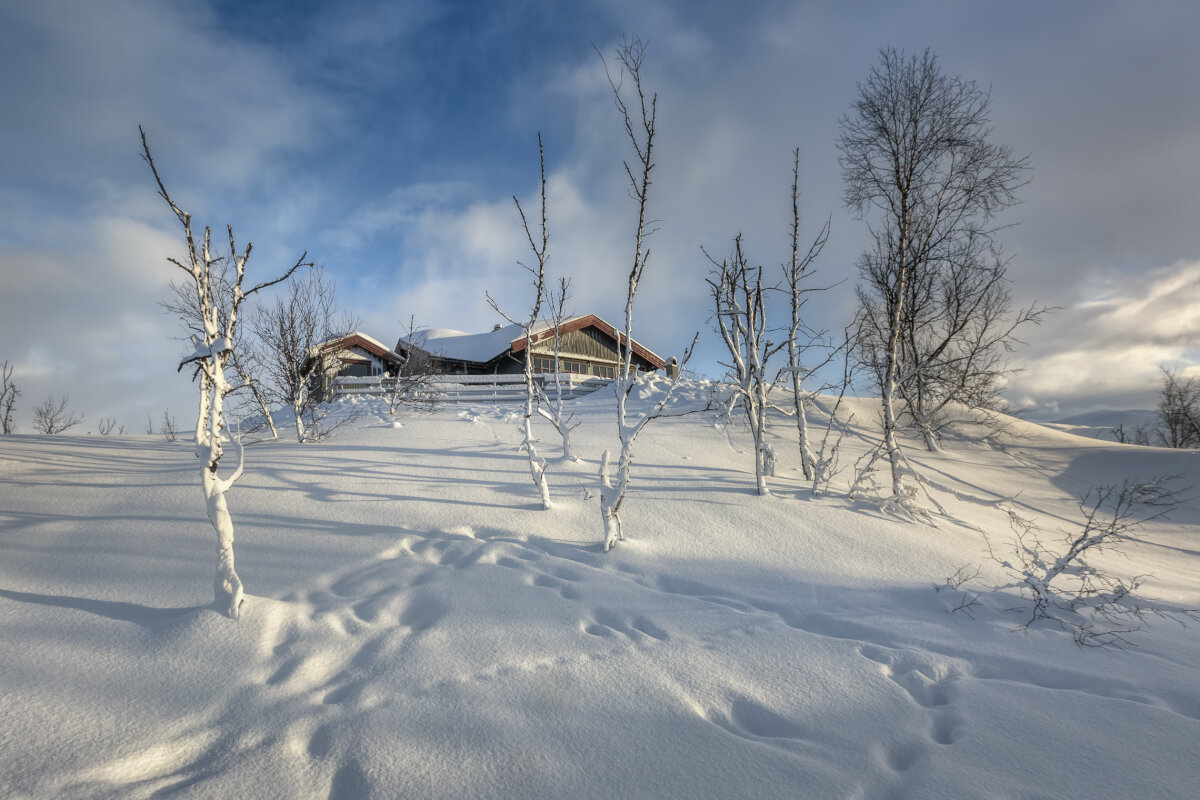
[[484, 346], [464, 346], [487, 349]]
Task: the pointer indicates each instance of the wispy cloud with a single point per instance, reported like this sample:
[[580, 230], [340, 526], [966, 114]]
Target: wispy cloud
[[1106, 348]]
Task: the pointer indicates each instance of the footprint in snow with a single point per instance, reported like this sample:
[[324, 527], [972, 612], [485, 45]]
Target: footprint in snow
[[927, 682], [606, 623]]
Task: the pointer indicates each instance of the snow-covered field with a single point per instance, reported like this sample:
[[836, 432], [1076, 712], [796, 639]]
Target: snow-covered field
[[416, 626]]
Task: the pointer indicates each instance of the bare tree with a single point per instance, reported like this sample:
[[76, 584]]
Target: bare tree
[[53, 416], [551, 409], [1179, 410], [638, 116], [827, 455], [184, 305], [107, 425], [919, 166], [292, 353], [801, 339], [167, 426], [740, 299], [741, 314], [255, 412], [537, 464], [8, 399], [414, 383], [212, 350]]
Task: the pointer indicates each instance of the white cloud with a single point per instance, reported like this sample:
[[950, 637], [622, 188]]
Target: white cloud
[[1106, 348], [83, 319]]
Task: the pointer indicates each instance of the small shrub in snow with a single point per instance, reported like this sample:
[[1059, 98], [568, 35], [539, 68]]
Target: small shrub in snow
[[1064, 581], [53, 416]]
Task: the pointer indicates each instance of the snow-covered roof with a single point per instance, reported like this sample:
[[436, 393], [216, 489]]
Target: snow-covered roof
[[483, 347], [368, 343], [462, 346]]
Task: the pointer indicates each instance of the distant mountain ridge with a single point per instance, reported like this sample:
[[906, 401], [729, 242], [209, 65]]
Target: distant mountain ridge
[[1099, 424]]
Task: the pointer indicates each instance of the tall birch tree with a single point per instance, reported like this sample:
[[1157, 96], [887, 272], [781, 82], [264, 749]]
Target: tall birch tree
[[740, 302], [211, 352], [638, 114], [539, 246], [919, 166], [801, 339]]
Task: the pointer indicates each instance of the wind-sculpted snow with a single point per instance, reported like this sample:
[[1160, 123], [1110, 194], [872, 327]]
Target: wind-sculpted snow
[[417, 626]]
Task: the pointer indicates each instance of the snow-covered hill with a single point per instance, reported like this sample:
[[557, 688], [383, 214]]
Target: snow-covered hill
[[416, 626]]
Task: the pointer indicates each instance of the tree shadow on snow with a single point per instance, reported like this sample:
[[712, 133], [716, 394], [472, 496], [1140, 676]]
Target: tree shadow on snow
[[145, 616]]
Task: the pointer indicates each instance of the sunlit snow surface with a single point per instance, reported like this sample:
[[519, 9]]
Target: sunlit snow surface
[[416, 626]]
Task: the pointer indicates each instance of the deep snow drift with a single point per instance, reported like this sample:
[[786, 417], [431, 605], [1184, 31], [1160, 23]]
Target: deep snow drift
[[415, 625]]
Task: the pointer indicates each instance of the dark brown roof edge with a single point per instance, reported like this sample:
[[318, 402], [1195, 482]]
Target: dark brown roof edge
[[370, 345], [590, 320]]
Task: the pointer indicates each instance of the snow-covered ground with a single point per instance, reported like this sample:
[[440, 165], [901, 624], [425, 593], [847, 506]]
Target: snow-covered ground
[[416, 626]]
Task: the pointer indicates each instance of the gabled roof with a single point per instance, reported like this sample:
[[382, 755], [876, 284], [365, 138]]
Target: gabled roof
[[484, 347], [371, 345], [544, 331]]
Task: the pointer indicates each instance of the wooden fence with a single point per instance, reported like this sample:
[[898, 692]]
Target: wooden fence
[[474, 388]]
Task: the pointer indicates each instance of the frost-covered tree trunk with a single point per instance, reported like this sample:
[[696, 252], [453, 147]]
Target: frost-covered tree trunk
[[740, 304], [537, 464], [243, 359], [891, 445], [795, 273], [227, 586], [639, 129], [212, 349], [639, 121]]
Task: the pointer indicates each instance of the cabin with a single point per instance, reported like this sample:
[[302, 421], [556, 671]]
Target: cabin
[[356, 355], [588, 346], [360, 356]]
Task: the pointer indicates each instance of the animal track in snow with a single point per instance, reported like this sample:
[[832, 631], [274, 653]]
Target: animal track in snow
[[751, 720], [566, 591], [904, 757], [928, 684], [608, 623]]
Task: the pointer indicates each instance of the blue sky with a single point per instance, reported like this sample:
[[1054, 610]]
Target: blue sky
[[387, 139]]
